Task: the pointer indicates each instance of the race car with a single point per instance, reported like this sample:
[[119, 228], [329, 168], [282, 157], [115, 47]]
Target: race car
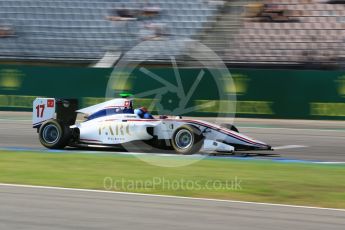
[[115, 123]]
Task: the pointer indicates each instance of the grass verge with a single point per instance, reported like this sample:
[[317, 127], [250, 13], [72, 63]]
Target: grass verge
[[260, 181]]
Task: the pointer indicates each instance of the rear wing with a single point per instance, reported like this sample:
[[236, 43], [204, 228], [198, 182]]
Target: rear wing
[[63, 110]]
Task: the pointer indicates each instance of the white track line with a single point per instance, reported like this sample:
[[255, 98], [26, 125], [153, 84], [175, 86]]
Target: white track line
[[14, 120], [289, 147], [292, 129], [167, 196], [331, 162]]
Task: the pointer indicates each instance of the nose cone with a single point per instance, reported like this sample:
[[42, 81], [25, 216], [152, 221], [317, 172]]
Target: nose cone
[[262, 146], [266, 147]]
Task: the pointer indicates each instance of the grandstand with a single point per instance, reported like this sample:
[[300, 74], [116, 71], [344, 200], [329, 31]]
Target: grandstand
[[247, 32], [312, 33], [80, 30]]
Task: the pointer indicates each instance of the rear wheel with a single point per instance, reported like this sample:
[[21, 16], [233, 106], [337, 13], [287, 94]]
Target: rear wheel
[[187, 140], [54, 135]]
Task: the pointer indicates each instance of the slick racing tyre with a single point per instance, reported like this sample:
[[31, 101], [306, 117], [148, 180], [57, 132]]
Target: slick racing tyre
[[229, 126], [54, 135], [187, 139]]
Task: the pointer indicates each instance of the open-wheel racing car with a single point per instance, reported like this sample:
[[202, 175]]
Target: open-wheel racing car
[[116, 123]]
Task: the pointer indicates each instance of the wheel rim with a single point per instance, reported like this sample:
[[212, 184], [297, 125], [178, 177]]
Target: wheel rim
[[184, 139], [51, 134]]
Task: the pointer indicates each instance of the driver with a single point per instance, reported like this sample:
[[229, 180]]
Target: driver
[[143, 113]]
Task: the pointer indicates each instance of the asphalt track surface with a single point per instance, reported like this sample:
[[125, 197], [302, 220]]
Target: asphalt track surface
[[33, 208], [313, 140]]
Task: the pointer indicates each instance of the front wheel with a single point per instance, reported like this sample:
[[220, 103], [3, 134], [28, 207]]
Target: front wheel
[[54, 135], [187, 140]]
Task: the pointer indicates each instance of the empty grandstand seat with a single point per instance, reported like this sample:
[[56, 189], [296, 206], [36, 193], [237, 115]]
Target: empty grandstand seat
[[78, 29]]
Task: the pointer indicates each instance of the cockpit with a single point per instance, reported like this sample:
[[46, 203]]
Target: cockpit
[[116, 106], [110, 111]]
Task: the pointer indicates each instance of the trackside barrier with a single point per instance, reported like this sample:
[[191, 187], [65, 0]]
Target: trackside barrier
[[302, 94]]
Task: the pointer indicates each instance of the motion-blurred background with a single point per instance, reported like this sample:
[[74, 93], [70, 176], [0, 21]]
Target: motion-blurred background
[[303, 33], [285, 56]]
